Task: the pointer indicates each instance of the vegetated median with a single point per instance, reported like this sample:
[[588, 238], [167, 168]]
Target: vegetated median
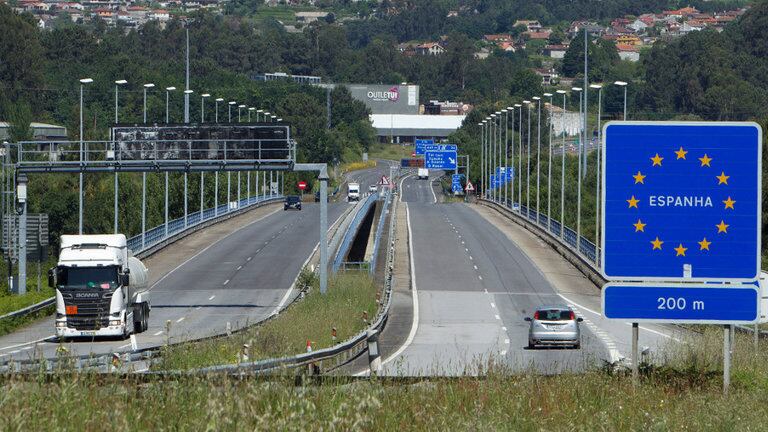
[[685, 394], [313, 318]]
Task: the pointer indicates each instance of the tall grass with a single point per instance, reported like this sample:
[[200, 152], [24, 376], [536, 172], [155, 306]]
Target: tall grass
[[311, 319], [356, 166]]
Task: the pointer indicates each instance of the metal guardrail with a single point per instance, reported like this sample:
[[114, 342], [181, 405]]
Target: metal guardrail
[[157, 235], [379, 229], [566, 235], [352, 231]]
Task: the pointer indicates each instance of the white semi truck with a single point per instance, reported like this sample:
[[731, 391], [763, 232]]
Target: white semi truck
[[101, 289], [423, 174]]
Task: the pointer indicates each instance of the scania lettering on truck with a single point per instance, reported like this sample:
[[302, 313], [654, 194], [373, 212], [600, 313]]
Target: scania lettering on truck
[[101, 289], [423, 174], [353, 192]]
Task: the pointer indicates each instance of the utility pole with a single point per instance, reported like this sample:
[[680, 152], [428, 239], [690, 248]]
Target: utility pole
[[186, 94]]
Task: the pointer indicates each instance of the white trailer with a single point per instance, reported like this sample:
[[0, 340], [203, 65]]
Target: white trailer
[[101, 289]]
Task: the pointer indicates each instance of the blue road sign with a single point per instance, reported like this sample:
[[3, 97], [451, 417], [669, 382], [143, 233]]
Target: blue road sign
[[681, 201], [421, 145], [441, 147], [456, 183], [703, 304], [445, 160]]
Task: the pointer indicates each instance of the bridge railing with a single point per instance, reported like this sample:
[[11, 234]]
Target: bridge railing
[[566, 235]]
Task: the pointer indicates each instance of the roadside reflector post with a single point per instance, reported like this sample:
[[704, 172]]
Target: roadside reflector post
[[374, 357], [727, 350], [333, 335], [635, 356]]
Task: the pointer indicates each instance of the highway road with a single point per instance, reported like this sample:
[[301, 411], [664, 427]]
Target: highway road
[[474, 286], [239, 278]]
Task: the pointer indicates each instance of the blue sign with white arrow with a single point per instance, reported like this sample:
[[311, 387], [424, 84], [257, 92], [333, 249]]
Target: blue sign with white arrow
[[445, 160], [441, 147], [456, 183], [681, 201], [700, 304], [421, 145]]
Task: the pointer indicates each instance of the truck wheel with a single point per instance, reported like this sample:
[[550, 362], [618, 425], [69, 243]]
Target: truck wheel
[[139, 318], [145, 317]]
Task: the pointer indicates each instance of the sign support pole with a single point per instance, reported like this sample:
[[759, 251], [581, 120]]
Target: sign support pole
[[635, 353], [727, 350]]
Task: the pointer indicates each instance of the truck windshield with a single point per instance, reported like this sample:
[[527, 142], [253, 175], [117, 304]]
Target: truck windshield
[[87, 277]]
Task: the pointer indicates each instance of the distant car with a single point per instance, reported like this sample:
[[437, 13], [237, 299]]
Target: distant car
[[372, 189], [292, 201], [554, 325]]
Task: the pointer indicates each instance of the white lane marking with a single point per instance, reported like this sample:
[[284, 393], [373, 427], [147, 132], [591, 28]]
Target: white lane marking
[[479, 277], [657, 332], [124, 346], [497, 317], [158, 333], [504, 328], [226, 282], [14, 351], [466, 250], [414, 294], [486, 290], [180, 319], [198, 308], [239, 267], [401, 186], [506, 341], [26, 348], [474, 266], [462, 242], [470, 257], [212, 297], [493, 305], [134, 343], [504, 352], [210, 246], [266, 243], [27, 343], [431, 189], [249, 258]]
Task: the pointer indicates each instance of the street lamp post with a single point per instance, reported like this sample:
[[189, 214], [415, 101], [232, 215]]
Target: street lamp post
[[482, 153], [202, 106], [578, 180], [272, 118], [599, 89], [492, 148], [146, 87], [549, 167], [485, 157], [229, 111], [239, 107], [257, 114], [118, 83], [538, 161], [217, 108], [623, 84], [562, 172], [144, 181], [83, 82], [519, 158], [168, 91], [187, 96], [507, 174], [250, 110], [528, 165]]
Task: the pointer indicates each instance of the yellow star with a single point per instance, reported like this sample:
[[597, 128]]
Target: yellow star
[[680, 250], [633, 202], [723, 178], [729, 203], [639, 177], [722, 227], [681, 153], [639, 226], [704, 244], [657, 160], [705, 160], [657, 243]]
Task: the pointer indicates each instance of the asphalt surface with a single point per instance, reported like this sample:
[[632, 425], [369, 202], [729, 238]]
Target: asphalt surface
[[240, 279], [474, 288]]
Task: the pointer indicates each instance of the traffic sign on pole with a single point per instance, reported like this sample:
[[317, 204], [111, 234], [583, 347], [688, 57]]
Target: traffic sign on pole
[[421, 145], [469, 187], [690, 303], [445, 160], [302, 185], [440, 147], [682, 201], [456, 183]]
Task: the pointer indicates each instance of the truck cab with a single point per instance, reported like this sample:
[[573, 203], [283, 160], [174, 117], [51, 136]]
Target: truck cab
[[423, 174], [101, 289]]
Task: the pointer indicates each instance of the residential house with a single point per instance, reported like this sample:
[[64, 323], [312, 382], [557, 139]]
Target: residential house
[[430, 48], [506, 46], [549, 76], [555, 51], [161, 15], [496, 38], [628, 52], [638, 26], [530, 25], [628, 40], [538, 35], [483, 54], [308, 17]]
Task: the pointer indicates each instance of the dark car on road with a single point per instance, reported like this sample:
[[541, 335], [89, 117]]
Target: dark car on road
[[292, 201]]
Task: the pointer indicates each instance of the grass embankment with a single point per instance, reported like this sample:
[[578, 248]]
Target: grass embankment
[[312, 318], [11, 302], [684, 395], [356, 166], [390, 151]]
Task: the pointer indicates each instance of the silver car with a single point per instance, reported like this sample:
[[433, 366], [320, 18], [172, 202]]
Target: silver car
[[554, 325]]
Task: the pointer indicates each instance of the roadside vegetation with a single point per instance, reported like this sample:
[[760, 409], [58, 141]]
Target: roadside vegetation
[[349, 296], [390, 151], [684, 394]]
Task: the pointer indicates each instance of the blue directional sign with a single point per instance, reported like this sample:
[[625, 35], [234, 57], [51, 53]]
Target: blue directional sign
[[456, 183], [681, 201], [445, 160], [421, 145], [702, 304], [441, 147]]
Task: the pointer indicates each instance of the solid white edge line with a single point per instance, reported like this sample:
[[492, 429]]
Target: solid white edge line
[[414, 294], [432, 189]]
